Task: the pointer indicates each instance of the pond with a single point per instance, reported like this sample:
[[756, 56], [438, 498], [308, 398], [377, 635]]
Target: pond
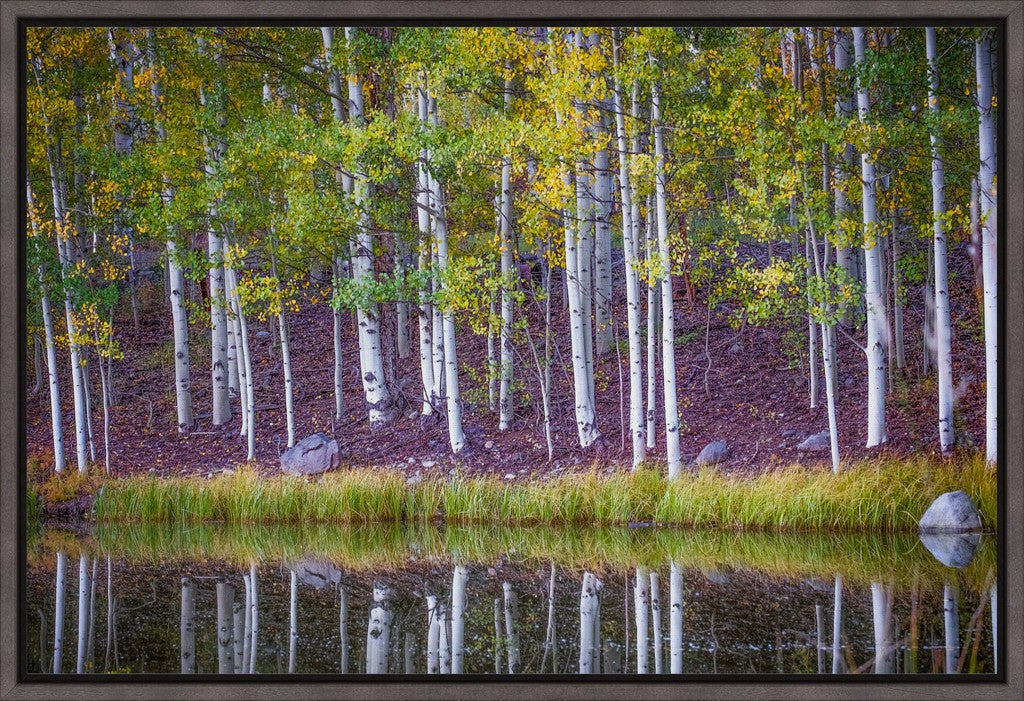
[[214, 599]]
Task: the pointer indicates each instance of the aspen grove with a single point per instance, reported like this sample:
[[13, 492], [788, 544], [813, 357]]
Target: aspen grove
[[519, 226]]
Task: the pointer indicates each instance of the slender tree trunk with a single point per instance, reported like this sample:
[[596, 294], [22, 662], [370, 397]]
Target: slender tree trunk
[[188, 626], [881, 613], [246, 635], [951, 629], [989, 213], [873, 289], [897, 296], [511, 629], [656, 622], [246, 366], [588, 628], [943, 331], [602, 245], [668, 335], [630, 230], [845, 253], [508, 276], [82, 665], [551, 636], [676, 618], [238, 610], [225, 628], [641, 600], [434, 633], [459, 578], [379, 633], [343, 627], [58, 611], [56, 418], [293, 621], [837, 626]]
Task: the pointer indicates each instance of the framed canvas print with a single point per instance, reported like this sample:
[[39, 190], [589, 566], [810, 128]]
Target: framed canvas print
[[468, 350]]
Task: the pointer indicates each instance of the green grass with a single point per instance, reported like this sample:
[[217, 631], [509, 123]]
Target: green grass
[[858, 558], [883, 495]]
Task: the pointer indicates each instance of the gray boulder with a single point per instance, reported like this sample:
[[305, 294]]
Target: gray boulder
[[818, 443], [316, 574], [952, 512], [713, 452], [952, 549], [310, 456]]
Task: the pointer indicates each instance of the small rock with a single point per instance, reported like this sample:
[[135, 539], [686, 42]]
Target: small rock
[[509, 476], [789, 432], [736, 347], [817, 443], [263, 334], [716, 577], [489, 444], [411, 461], [429, 463], [415, 479], [952, 549], [310, 456], [316, 574], [952, 512], [713, 452], [491, 571], [848, 382]]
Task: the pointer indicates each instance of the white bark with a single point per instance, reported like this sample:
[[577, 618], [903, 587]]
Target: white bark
[[379, 632], [56, 419], [588, 618], [551, 636], [459, 577], [675, 641], [246, 636], [254, 615], [456, 436], [668, 335], [989, 212], [343, 628], [837, 625], [641, 600], [511, 629], [943, 331], [82, 661], [881, 616], [873, 289], [630, 229], [603, 319], [58, 611], [188, 626], [225, 628], [246, 366], [444, 653], [656, 621], [584, 268], [293, 621], [238, 616], [951, 629], [508, 276], [433, 635]]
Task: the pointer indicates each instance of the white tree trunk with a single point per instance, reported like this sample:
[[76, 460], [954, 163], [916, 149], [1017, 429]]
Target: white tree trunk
[[188, 626], [837, 626], [378, 399], [444, 652], [238, 616], [343, 628], [508, 276], [58, 611], [456, 436], [951, 629], [584, 268], [82, 662], [225, 628], [668, 335], [588, 618], [989, 213], [293, 621], [379, 633], [339, 364], [459, 578], [630, 229], [873, 289], [641, 601], [246, 636], [433, 635], [943, 331], [246, 380], [603, 319], [656, 622], [56, 419], [881, 616], [286, 366], [675, 641], [511, 629]]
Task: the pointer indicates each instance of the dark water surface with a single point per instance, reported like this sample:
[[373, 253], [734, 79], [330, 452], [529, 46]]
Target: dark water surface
[[399, 600]]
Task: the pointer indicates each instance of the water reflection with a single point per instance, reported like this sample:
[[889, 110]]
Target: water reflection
[[467, 601]]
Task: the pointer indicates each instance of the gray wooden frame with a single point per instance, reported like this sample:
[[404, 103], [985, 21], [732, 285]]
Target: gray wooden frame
[[597, 11]]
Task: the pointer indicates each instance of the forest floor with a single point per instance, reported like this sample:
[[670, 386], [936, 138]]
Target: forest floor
[[748, 387]]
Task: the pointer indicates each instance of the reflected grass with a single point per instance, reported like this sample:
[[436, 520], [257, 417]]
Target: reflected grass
[[897, 558], [877, 496]]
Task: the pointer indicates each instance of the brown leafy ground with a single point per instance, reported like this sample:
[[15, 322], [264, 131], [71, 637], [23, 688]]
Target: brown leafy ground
[[756, 399]]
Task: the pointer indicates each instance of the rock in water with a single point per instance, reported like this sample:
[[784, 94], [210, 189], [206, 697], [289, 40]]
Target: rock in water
[[316, 574], [952, 512], [952, 549], [713, 452], [817, 443], [310, 456]]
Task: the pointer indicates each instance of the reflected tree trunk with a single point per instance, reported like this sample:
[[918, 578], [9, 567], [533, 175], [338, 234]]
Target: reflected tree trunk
[[225, 628], [434, 634], [820, 638], [656, 622], [497, 636], [459, 578], [676, 618], [89, 649], [379, 631], [549, 636], [293, 621], [58, 612], [589, 622], [410, 641], [881, 615], [83, 613], [238, 610], [343, 627], [254, 615], [247, 625], [444, 650], [641, 599], [511, 631], [837, 626], [993, 602], [951, 628], [188, 626]]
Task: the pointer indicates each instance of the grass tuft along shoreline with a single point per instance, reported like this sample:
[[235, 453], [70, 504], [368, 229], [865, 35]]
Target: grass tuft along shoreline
[[883, 495]]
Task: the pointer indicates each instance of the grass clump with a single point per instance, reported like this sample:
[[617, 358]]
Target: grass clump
[[876, 495]]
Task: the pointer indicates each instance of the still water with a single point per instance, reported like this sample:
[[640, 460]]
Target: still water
[[412, 600]]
